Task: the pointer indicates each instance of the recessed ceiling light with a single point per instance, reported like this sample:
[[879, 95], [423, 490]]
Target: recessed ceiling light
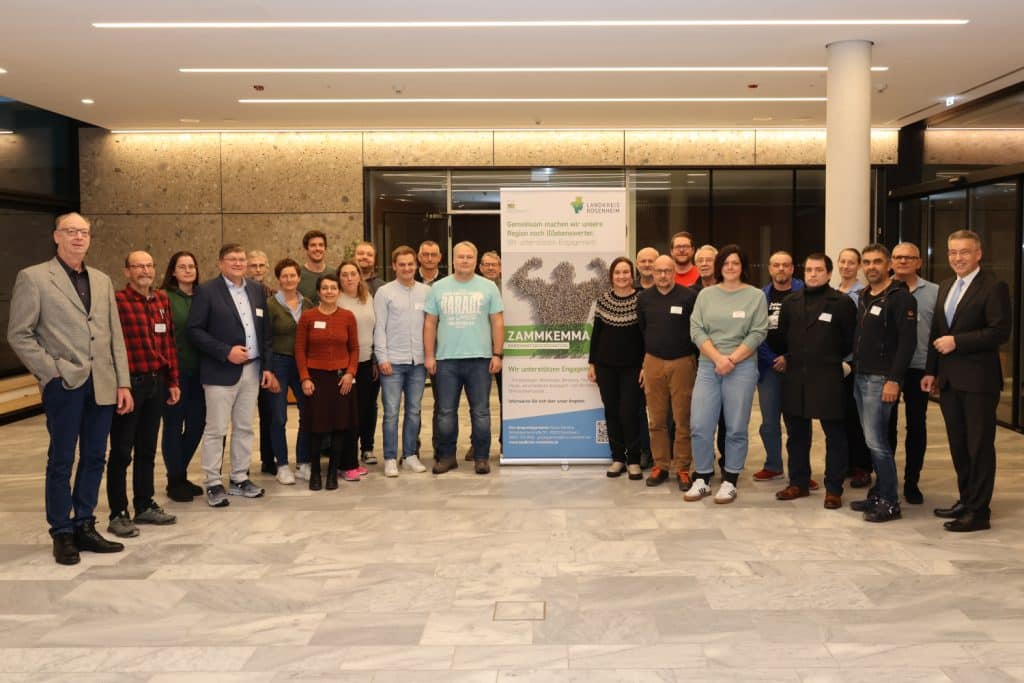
[[587, 23], [88, 101], [951, 100], [524, 100], [503, 69]]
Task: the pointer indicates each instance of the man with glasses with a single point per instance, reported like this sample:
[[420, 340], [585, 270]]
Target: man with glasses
[[682, 253], [906, 259], [65, 330], [153, 363], [429, 257]]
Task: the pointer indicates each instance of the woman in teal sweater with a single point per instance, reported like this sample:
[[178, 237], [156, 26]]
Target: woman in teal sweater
[[729, 322]]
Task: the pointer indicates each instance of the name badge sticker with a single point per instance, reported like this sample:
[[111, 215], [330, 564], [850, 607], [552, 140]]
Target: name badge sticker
[[675, 310], [739, 314], [875, 310], [825, 317], [160, 328], [259, 312], [319, 324]]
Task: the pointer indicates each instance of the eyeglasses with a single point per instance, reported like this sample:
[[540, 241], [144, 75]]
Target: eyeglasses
[[905, 258], [141, 266], [682, 247], [75, 232], [664, 271]]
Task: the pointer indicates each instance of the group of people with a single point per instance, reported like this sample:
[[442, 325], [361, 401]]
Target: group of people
[[681, 342], [206, 357]]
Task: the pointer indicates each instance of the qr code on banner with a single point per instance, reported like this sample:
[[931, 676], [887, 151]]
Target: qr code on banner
[[601, 435]]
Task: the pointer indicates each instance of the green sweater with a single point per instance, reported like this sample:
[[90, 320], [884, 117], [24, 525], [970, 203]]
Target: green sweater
[[188, 355], [282, 325], [729, 319]]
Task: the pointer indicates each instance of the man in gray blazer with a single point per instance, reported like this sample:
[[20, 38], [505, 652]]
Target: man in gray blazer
[[65, 329]]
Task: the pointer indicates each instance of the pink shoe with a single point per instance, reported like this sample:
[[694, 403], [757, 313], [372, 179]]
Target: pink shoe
[[350, 475], [362, 471]]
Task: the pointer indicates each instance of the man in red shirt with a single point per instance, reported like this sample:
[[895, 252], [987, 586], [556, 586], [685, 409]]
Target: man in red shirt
[[145, 316], [682, 253]]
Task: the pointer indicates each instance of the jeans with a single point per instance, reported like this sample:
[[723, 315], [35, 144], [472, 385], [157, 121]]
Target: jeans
[[366, 399], [798, 445], [769, 398], [72, 417], [620, 392], [859, 458], [731, 395], [407, 379], [287, 375], [452, 375], [264, 406], [135, 431], [915, 408], [874, 418], [183, 426]]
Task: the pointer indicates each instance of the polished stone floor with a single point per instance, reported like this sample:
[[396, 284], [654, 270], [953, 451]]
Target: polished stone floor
[[529, 574]]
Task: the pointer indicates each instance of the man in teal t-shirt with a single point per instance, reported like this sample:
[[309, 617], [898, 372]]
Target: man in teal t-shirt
[[463, 338]]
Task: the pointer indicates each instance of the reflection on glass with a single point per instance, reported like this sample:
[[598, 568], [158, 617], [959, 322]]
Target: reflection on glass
[[407, 207], [947, 212], [480, 190], [666, 202], [754, 209]]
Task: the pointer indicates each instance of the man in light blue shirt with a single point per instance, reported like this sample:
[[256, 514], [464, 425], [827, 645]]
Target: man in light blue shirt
[[906, 260], [463, 338], [398, 347]]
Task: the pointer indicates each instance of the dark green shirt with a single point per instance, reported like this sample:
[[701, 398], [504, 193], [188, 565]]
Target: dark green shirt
[[282, 325], [188, 355]]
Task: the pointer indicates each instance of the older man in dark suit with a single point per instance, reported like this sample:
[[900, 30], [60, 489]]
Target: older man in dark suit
[[229, 326], [972, 319], [65, 329]]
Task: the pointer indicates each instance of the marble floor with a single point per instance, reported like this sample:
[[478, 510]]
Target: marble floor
[[529, 574]]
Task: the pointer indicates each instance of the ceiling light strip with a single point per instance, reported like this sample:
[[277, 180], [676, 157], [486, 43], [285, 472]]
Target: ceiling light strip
[[503, 69], [574, 129], [524, 100], [593, 23]]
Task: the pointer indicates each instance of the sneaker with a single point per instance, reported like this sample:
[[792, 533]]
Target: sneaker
[[883, 511], [217, 497], [123, 526], [699, 489], [362, 471], [302, 472], [369, 458], [284, 475], [615, 469], [658, 476], [391, 468], [350, 475], [482, 467], [245, 488], [412, 462], [442, 465], [726, 493], [767, 475], [636, 473], [864, 505], [683, 478], [154, 514]]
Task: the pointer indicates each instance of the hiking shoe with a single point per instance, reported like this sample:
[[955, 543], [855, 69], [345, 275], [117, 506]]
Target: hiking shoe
[[658, 476], [726, 493], [391, 468], [123, 526], [217, 497], [245, 488], [154, 514], [442, 465], [699, 489], [683, 477], [412, 462], [767, 475]]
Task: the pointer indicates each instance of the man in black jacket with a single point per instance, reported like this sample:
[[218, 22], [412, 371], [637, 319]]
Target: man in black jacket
[[882, 350], [816, 325], [971, 321]]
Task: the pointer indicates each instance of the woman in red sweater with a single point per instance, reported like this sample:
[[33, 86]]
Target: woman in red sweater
[[327, 357]]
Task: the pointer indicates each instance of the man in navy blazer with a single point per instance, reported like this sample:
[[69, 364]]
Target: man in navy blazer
[[229, 326], [971, 321]]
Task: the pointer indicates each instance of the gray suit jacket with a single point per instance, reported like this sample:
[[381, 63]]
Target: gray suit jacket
[[54, 336]]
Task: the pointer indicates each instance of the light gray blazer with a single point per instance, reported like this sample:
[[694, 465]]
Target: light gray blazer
[[54, 336]]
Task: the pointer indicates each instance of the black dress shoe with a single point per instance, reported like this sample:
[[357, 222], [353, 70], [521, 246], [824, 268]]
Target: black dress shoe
[[968, 522], [179, 492], [64, 549], [955, 511], [196, 489], [87, 538]]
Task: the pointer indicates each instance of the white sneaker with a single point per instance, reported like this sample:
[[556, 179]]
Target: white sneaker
[[698, 490], [391, 468], [302, 472], [726, 493], [412, 462], [284, 475]]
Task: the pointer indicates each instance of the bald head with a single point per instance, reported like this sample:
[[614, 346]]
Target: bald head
[[664, 273], [645, 261]]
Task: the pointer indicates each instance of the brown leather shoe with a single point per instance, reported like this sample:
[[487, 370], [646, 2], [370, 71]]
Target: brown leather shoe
[[833, 501], [792, 493]]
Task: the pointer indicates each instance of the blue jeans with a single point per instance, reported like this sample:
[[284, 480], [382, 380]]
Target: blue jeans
[[405, 379], [769, 398], [183, 426], [731, 395], [452, 376], [874, 418], [287, 375], [73, 418]]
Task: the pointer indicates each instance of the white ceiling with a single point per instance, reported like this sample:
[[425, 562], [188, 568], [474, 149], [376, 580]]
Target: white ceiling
[[55, 57]]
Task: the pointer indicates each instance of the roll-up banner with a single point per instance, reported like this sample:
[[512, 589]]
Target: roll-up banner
[[556, 247]]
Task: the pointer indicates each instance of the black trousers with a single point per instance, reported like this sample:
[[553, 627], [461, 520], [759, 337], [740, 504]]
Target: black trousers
[[915, 408], [366, 400], [798, 446], [860, 459], [620, 394], [337, 444], [265, 406], [971, 428], [135, 431]]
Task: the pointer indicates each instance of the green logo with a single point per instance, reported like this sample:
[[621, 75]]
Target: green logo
[[577, 204]]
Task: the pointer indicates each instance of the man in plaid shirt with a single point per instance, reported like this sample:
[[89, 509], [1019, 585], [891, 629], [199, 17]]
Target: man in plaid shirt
[[153, 364]]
